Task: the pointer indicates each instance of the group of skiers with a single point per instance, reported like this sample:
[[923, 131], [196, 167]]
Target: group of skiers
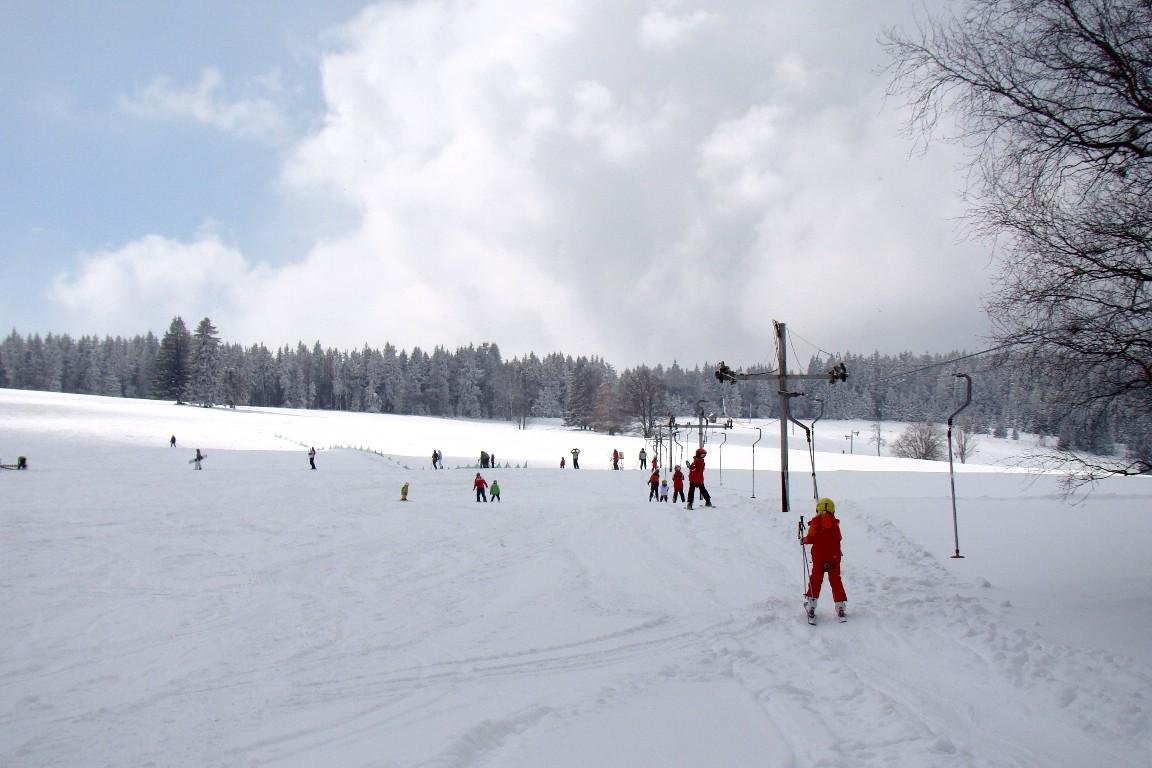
[[658, 488], [822, 534], [479, 484]]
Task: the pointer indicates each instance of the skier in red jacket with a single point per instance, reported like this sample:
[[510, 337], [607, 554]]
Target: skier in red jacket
[[824, 536], [677, 485], [654, 485], [696, 478], [480, 484]]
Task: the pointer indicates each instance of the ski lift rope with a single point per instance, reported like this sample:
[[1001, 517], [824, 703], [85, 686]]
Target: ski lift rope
[[944, 363]]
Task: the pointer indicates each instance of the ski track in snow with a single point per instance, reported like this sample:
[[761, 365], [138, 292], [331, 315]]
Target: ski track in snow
[[258, 614]]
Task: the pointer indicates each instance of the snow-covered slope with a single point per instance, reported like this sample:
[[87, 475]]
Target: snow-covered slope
[[258, 613]]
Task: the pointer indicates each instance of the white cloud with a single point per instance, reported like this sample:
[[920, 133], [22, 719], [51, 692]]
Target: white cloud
[[737, 159], [204, 102], [142, 284], [660, 29], [510, 186]]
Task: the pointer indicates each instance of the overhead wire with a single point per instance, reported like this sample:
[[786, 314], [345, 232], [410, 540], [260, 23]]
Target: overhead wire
[[946, 362]]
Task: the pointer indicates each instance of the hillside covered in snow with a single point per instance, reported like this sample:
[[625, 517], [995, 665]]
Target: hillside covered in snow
[[260, 613]]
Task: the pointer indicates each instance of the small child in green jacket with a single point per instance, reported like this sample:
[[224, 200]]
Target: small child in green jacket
[[494, 491]]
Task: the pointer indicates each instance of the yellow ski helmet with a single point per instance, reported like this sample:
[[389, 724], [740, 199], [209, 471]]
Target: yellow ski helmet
[[825, 505]]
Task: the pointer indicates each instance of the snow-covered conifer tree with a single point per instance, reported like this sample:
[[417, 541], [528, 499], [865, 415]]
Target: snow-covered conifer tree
[[172, 361], [204, 378]]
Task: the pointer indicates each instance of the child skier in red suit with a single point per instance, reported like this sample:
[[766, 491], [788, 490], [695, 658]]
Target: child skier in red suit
[[654, 485], [824, 536]]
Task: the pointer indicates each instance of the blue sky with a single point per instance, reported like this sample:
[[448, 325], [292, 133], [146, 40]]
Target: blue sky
[[644, 180], [81, 172]]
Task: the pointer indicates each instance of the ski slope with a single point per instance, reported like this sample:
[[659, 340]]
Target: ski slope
[[257, 613]]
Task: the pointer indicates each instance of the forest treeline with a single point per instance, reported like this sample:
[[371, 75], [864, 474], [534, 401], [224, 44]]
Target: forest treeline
[[478, 382]]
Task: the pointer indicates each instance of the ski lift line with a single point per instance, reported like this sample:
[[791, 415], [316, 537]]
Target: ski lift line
[[809, 343], [946, 362]]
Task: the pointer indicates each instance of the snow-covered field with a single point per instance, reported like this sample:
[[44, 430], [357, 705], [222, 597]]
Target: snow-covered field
[[257, 613]]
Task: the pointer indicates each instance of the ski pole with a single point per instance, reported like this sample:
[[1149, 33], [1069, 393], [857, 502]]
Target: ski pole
[[803, 552]]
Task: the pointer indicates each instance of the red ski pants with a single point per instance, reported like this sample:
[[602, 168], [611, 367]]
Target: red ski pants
[[817, 580]]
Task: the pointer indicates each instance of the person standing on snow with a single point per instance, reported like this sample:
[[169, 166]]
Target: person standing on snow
[[643, 458], [435, 455], [677, 485], [696, 478], [199, 458], [312, 457], [480, 484], [654, 485], [615, 459], [664, 490], [495, 491], [575, 458], [824, 536], [172, 441]]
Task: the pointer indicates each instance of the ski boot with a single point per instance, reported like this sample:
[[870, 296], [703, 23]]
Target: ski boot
[[842, 611], [810, 609]]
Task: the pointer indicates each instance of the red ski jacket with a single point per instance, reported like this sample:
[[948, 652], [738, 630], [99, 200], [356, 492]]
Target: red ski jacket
[[654, 479], [480, 482], [824, 536], [678, 480], [696, 471]]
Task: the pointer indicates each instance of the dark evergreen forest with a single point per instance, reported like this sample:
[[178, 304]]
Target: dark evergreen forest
[[478, 382]]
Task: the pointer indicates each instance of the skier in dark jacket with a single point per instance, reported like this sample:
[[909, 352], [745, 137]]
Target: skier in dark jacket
[[696, 478], [824, 536], [312, 457]]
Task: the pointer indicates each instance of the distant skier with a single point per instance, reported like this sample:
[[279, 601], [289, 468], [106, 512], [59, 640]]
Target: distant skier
[[312, 457], [824, 536], [654, 485], [435, 456], [199, 458], [492, 460], [561, 462], [480, 484], [615, 459], [643, 458], [172, 441], [494, 491], [404, 491], [575, 458], [663, 490], [696, 478], [483, 459], [677, 485], [655, 463]]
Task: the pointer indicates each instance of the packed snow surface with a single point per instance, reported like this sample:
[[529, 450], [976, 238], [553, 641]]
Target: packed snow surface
[[258, 613]]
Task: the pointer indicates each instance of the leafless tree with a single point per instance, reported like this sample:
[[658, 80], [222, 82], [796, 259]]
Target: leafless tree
[[642, 397], [921, 440], [1054, 100], [877, 437], [964, 442]]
